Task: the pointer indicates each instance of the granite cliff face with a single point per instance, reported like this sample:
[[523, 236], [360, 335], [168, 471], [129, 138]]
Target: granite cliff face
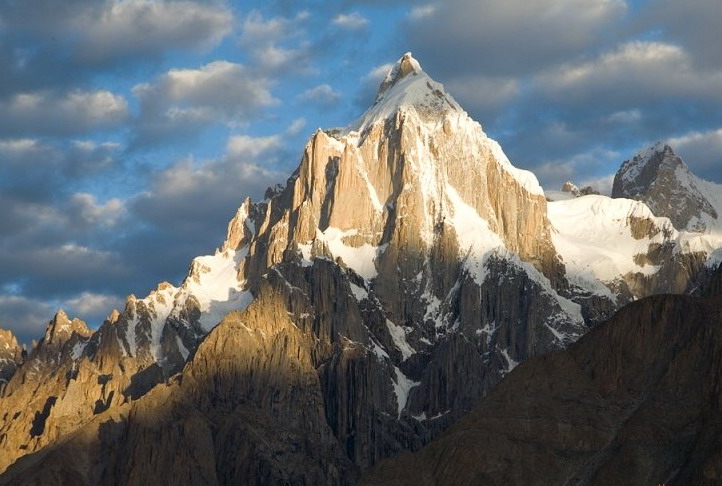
[[404, 249], [635, 401]]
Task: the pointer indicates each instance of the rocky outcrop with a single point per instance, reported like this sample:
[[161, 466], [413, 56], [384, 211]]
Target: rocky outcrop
[[658, 177], [10, 357], [635, 401]]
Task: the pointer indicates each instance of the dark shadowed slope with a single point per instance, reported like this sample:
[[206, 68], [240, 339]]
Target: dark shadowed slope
[[636, 401]]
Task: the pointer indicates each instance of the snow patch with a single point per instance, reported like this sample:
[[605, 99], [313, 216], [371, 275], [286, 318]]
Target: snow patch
[[398, 335], [402, 387], [359, 259], [358, 292], [510, 362], [216, 286]]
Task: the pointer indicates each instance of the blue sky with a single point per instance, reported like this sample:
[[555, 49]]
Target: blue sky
[[130, 130]]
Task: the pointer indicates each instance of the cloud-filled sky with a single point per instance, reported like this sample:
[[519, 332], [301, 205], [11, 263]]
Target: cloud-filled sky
[[131, 130]]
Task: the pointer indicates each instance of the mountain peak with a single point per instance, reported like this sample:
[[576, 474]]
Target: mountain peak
[[660, 178], [407, 85], [405, 66], [61, 327]]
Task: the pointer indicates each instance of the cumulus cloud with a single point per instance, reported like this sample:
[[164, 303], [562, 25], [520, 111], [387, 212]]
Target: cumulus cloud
[[184, 100], [87, 211], [92, 307], [321, 95], [422, 11], [634, 73], [42, 171], [369, 85], [702, 151], [26, 318], [507, 38], [106, 30], [252, 147], [350, 21], [277, 44], [135, 27], [41, 271], [694, 24], [189, 203], [61, 114]]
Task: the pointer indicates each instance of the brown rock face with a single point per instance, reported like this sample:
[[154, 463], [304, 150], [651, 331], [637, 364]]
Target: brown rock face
[[635, 401], [10, 357]]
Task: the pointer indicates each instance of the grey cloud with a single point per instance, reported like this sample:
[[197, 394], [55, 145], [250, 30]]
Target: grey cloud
[[702, 151], [634, 73], [693, 23], [183, 101], [589, 167], [322, 95], [61, 114], [487, 96], [26, 318], [278, 44], [350, 21], [509, 38], [192, 201], [102, 31], [60, 270], [46, 44], [37, 170]]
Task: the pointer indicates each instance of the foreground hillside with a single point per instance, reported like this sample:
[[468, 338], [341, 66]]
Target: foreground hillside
[[635, 401]]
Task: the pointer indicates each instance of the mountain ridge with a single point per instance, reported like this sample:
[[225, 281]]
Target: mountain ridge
[[402, 271]]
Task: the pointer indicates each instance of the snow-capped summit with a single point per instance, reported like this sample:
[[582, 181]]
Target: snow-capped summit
[[407, 85], [660, 178]]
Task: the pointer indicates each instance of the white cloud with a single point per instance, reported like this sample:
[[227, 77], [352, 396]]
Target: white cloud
[[251, 147], [633, 73], [92, 304], [277, 44], [377, 74], [351, 21], [139, 27], [422, 11], [87, 211], [256, 29], [188, 99], [602, 184], [322, 94], [296, 126], [67, 113]]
